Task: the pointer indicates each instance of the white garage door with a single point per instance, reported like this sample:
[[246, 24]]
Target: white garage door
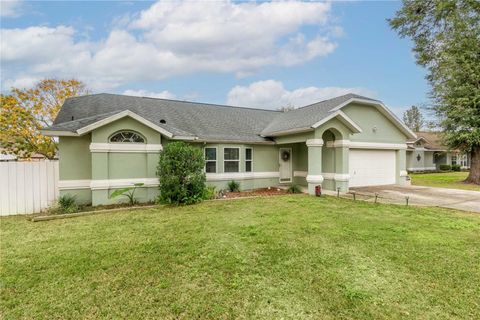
[[371, 167]]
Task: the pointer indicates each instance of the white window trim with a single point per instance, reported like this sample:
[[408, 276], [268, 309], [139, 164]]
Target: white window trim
[[216, 159], [241, 175], [251, 160], [126, 130], [231, 160]]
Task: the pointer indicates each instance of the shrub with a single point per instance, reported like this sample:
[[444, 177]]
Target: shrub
[[445, 167], [456, 167], [180, 170], [66, 204], [128, 193], [210, 193], [294, 189], [234, 186]]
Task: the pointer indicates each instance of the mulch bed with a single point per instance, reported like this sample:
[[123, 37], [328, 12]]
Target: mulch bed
[[263, 192]]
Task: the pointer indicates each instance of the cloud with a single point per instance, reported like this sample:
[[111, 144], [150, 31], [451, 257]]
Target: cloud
[[143, 93], [271, 94], [174, 38], [10, 8]]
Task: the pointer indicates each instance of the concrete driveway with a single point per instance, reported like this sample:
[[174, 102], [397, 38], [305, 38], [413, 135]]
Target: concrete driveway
[[426, 196]]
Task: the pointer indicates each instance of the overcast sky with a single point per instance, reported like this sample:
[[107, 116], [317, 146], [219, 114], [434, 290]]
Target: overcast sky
[[263, 55]]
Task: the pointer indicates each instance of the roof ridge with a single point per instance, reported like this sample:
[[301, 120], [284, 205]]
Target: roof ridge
[[182, 101]]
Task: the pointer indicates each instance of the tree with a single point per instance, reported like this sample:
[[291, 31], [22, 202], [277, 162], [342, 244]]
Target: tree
[[286, 108], [180, 171], [413, 118], [446, 37], [25, 111]]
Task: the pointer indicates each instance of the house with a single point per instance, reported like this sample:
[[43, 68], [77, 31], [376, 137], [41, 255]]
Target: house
[[5, 156], [427, 153], [108, 141]]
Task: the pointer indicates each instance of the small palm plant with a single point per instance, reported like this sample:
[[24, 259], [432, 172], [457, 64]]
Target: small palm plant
[[128, 192], [234, 186], [67, 204]]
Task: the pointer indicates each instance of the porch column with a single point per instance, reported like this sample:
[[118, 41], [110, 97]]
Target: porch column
[[401, 169], [342, 176], [314, 176]]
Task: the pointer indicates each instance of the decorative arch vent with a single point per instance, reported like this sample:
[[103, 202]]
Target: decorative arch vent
[[126, 136]]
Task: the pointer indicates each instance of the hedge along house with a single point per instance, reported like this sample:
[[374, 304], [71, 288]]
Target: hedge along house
[[111, 141], [427, 153]]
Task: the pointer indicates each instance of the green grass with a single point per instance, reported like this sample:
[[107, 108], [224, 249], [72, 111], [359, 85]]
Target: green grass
[[452, 180], [288, 257]]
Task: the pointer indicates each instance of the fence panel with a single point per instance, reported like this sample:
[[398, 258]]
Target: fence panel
[[27, 187]]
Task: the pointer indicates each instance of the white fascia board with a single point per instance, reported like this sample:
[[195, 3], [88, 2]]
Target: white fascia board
[[377, 145], [120, 115], [346, 120], [234, 142], [126, 147], [58, 133], [384, 110], [188, 138], [241, 175], [303, 174], [122, 183], [73, 184], [286, 132], [420, 138], [105, 184]]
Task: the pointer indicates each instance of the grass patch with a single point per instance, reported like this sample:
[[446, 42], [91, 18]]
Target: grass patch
[[284, 257], [452, 180]]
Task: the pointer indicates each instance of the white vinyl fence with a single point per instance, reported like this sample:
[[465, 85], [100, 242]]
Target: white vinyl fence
[[27, 187]]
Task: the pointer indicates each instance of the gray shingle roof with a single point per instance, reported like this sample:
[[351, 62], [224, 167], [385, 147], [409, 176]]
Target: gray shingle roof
[[207, 122], [305, 117]]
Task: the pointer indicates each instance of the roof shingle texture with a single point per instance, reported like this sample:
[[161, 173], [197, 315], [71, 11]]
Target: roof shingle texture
[[207, 122]]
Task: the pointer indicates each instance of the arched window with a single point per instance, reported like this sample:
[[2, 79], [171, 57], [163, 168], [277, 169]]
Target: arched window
[[127, 137]]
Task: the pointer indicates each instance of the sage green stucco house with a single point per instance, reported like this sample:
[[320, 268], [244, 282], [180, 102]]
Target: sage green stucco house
[[110, 141]]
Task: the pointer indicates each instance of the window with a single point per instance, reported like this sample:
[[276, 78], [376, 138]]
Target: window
[[454, 159], [231, 159], [127, 137], [248, 159], [210, 160], [463, 160]]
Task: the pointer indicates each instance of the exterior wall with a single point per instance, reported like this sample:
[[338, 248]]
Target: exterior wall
[[124, 167], [375, 126], [425, 163], [265, 165], [75, 165], [97, 170]]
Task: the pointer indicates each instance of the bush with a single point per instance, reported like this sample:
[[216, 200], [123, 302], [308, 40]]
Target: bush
[[234, 186], [180, 170], [67, 204], [445, 167], [210, 193], [294, 189], [456, 167]]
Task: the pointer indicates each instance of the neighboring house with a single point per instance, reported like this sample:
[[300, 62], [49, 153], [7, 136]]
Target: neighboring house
[[427, 153], [109, 141], [5, 156]]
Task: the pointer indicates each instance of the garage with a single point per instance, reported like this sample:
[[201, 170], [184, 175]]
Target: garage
[[371, 167]]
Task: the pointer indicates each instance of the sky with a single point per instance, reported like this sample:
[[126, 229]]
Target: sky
[[252, 54]]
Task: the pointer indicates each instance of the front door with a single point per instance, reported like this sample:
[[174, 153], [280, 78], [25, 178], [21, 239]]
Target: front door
[[285, 159]]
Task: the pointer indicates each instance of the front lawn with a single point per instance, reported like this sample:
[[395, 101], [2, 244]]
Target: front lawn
[[284, 257], [452, 180]]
